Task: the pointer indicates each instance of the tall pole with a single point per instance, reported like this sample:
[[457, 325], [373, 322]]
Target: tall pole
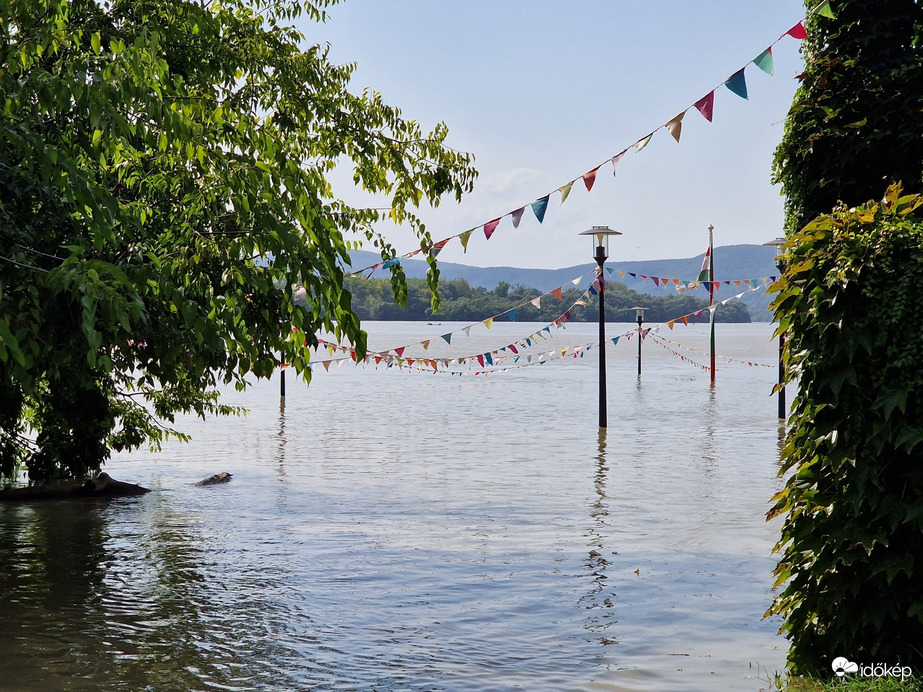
[[600, 258], [782, 412], [711, 295], [780, 265], [640, 339]]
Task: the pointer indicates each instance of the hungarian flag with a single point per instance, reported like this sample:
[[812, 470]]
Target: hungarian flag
[[704, 274]]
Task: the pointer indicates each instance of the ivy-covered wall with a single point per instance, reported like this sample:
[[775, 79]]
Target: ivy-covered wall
[[852, 540]]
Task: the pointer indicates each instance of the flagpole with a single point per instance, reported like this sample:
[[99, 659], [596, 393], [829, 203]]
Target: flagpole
[[711, 296]]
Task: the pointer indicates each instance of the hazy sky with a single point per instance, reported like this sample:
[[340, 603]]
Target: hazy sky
[[542, 92]]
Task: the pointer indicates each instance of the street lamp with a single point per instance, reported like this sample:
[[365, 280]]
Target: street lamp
[[640, 313], [780, 265], [601, 235]]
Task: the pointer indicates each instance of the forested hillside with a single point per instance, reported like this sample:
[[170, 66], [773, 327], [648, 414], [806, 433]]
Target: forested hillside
[[373, 300]]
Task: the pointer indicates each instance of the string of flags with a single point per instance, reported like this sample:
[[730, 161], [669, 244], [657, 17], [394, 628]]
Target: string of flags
[[736, 84], [662, 341], [515, 350]]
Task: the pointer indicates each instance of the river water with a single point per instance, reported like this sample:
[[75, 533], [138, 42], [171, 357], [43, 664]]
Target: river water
[[390, 529]]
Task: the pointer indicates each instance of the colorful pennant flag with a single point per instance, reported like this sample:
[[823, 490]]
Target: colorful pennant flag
[[565, 190], [798, 32], [643, 142], [764, 61], [464, 237], [589, 178], [538, 208], [490, 227], [517, 216], [706, 105], [675, 126], [737, 83]]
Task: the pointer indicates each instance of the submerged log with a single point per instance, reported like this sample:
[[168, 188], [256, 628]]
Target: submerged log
[[101, 486], [222, 477]]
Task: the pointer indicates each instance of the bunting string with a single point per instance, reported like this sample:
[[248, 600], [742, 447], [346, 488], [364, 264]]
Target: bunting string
[[736, 84]]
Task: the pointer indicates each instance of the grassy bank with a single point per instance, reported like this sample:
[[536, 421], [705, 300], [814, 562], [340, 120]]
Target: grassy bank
[[850, 684]]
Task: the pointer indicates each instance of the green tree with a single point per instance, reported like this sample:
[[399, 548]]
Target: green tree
[[852, 539], [849, 304], [163, 190], [855, 123]]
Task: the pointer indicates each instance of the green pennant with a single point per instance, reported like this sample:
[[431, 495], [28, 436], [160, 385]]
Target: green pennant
[[825, 11], [764, 61]]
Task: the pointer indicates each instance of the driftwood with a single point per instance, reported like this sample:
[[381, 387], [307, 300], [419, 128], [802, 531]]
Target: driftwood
[[102, 486], [222, 477]]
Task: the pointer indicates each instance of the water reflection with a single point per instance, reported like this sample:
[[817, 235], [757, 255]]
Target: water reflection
[[599, 601]]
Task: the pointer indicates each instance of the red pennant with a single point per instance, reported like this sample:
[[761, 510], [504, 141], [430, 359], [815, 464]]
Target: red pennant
[[590, 178], [656, 280], [490, 227], [797, 31], [706, 106], [399, 351], [437, 248]]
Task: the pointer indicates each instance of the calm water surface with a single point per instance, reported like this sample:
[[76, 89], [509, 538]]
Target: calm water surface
[[389, 530]]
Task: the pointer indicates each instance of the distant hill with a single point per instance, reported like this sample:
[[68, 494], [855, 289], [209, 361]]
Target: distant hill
[[732, 262]]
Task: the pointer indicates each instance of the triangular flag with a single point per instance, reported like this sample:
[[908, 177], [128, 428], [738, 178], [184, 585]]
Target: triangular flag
[[399, 351], [481, 361], [589, 178], [539, 206], [326, 364], [425, 344], [797, 31], [643, 142], [512, 314], [706, 105], [557, 293], [490, 227], [565, 190], [825, 11], [655, 280], [764, 61], [489, 358], [517, 216], [489, 322], [537, 302], [447, 337], [737, 83], [437, 248], [467, 330], [670, 324], [616, 159], [464, 237], [391, 262], [675, 126]]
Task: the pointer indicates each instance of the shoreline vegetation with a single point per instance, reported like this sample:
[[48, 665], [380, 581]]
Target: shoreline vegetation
[[801, 684], [372, 299]]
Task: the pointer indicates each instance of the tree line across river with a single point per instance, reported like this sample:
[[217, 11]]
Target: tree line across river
[[373, 299]]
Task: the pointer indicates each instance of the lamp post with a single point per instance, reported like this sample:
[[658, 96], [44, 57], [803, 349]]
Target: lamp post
[[601, 235], [780, 265], [640, 313]]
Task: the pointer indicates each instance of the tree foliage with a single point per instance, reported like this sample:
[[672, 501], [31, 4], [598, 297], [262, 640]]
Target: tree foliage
[[852, 539], [373, 300], [855, 124], [163, 187]]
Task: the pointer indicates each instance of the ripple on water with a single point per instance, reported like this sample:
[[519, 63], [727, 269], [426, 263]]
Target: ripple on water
[[405, 532]]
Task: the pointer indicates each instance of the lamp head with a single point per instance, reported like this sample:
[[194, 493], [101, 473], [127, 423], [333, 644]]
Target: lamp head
[[601, 235]]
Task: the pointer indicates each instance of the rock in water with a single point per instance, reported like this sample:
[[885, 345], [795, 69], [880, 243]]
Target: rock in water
[[101, 486], [222, 477]]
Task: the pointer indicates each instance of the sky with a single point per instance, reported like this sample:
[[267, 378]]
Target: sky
[[542, 92]]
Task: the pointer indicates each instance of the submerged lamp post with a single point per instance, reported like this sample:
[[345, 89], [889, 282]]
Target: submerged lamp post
[[600, 235], [780, 265], [640, 314]]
